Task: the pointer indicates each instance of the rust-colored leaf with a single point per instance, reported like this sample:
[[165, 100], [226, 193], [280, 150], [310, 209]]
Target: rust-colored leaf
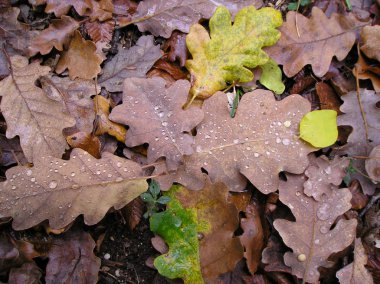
[[363, 70], [134, 212], [327, 97], [318, 39], [176, 47], [30, 114], [81, 59], [370, 36], [82, 185], [100, 31], [359, 199], [101, 9], [85, 141], [154, 115], [172, 69]]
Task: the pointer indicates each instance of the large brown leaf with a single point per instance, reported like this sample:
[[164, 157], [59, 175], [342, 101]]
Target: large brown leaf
[[162, 17], [60, 8], [358, 145], [320, 38], [154, 115], [310, 236], [61, 190], [371, 41], [128, 63], [30, 114], [261, 141]]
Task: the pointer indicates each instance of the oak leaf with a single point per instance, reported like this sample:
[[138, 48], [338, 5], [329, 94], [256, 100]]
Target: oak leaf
[[30, 114], [372, 164], [370, 36], [85, 141], [82, 185], [56, 35], [318, 39], [100, 31], [162, 17], [310, 236], [128, 63], [327, 96], [155, 116], [257, 144], [100, 9], [60, 8], [355, 272], [364, 70], [229, 50], [81, 53]]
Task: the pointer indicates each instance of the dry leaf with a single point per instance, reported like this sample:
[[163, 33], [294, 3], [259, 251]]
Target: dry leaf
[[176, 45], [85, 141], [174, 71], [359, 199], [261, 141], [355, 272], [81, 59], [357, 143], [104, 125], [320, 39], [61, 190], [57, 35], [72, 259], [28, 273], [123, 9], [327, 97], [161, 17], [128, 63], [100, 31], [30, 114], [273, 256], [310, 236], [370, 36], [60, 8], [101, 9], [372, 164], [134, 212], [364, 70], [155, 116]]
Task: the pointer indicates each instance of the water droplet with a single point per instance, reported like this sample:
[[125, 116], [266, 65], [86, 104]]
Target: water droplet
[[287, 123], [161, 114], [33, 179], [156, 139], [298, 193], [29, 172], [278, 140], [118, 164], [119, 179], [207, 136], [53, 184], [109, 175], [248, 148], [316, 241], [256, 154], [236, 141], [198, 149], [14, 187], [164, 124], [328, 170], [286, 141], [323, 212], [75, 186], [324, 229], [72, 174], [98, 172]]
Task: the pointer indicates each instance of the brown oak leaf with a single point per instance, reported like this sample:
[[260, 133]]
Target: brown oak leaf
[[310, 236], [364, 70], [124, 9], [30, 114], [60, 8], [318, 39], [85, 141], [57, 35], [100, 31], [258, 143], [154, 115], [355, 272], [81, 59], [60, 190], [128, 63], [161, 17], [133, 212], [327, 97], [176, 47], [370, 36], [101, 9], [72, 259]]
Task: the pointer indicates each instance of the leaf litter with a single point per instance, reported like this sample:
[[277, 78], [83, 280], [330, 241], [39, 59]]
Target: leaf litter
[[261, 193]]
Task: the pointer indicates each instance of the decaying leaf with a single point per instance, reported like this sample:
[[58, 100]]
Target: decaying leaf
[[161, 17], [134, 212], [372, 164], [310, 236], [176, 47], [128, 63], [261, 141], [72, 260], [226, 54], [318, 39], [364, 70], [154, 115], [30, 114], [104, 125], [100, 31], [101, 9], [81, 59], [82, 185], [28, 273], [56, 35], [371, 41], [273, 256], [85, 141], [355, 272], [60, 8], [365, 134], [327, 96]]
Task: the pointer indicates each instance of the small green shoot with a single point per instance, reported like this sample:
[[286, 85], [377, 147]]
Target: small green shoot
[[293, 6], [152, 199], [239, 94], [349, 171]]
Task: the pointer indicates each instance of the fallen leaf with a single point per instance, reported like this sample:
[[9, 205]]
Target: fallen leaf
[[174, 71], [128, 63], [11, 152], [355, 272], [155, 116], [60, 8], [358, 144], [57, 35], [104, 125], [101, 9], [273, 256], [82, 185], [327, 97], [28, 273], [359, 199], [370, 36], [176, 47], [271, 77], [310, 237], [229, 50], [134, 212], [81, 53], [124, 9], [257, 144], [30, 114], [364, 70], [372, 164], [85, 141], [162, 17], [316, 44], [100, 31], [72, 259]]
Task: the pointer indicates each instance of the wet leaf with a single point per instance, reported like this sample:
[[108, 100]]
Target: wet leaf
[[85, 141], [327, 97], [370, 36], [226, 54], [81, 53], [128, 63], [82, 185], [155, 116], [314, 43], [271, 77], [30, 114], [60, 8]]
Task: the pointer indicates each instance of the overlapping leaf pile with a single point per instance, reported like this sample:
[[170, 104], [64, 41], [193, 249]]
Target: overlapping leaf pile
[[91, 109]]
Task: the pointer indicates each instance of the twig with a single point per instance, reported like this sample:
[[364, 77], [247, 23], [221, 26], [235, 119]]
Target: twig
[[360, 105]]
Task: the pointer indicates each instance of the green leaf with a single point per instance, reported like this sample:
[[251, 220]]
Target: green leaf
[[154, 188], [163, 200], [271, 77], [147, 197], [292, 6], [319, 128], [226, 54], [178, 226]]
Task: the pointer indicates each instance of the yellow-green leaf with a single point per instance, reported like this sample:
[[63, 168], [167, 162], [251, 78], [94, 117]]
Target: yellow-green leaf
[[226, 54], [271, 77], [319, 128]]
